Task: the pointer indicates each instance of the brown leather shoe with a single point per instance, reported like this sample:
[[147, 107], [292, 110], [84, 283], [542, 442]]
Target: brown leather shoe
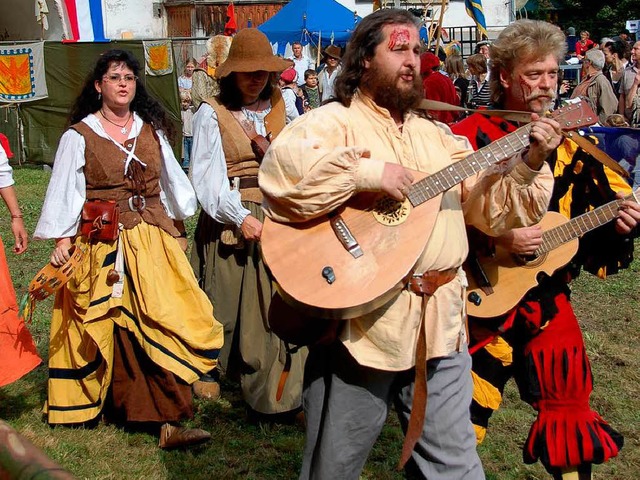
[[176, 437], [206, 390]]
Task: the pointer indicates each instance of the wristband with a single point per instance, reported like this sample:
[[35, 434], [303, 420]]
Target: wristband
[[16, 216]]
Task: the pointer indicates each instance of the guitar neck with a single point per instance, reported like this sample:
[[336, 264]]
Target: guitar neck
[[576, 227], [444, 179]]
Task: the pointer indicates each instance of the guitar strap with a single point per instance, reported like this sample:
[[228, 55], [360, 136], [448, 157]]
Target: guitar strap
[[586, 145], [246, 125], [512, 115]]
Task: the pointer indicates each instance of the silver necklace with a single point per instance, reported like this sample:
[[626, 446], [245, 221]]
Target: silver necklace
[[123, 128]]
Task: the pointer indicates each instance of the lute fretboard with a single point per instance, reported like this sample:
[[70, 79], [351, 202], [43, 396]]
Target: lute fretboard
[[444, 179]]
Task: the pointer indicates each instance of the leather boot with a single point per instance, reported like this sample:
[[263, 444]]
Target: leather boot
[[172, 436]]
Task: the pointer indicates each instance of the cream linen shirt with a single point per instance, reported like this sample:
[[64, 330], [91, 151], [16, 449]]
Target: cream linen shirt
[[319, 161]]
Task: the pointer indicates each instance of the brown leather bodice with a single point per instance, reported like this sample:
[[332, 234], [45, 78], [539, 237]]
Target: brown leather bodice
[[105, 179], [241, 161]]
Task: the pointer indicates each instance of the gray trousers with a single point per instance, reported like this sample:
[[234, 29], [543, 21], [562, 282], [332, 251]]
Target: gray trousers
[[346, 406]]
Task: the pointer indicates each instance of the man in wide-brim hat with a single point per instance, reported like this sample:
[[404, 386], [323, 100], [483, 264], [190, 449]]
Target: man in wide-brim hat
[[225, 254], [332, 51], [328, 74]]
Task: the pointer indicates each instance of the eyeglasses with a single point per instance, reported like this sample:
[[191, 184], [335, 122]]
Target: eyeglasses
[[115, 78]]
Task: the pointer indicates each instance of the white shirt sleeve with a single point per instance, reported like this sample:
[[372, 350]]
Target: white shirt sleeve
[[209, 170], [176, 193], [290, 108], [66, 192], [6, 176]]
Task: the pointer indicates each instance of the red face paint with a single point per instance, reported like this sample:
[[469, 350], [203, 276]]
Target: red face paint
[[525, 89], [399, 36]]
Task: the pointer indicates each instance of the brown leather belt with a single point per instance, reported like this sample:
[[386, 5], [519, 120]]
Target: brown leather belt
[[426, 285], [247, 182], [428, 282]]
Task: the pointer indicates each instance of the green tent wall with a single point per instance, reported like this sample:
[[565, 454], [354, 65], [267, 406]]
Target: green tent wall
[[66, 67]]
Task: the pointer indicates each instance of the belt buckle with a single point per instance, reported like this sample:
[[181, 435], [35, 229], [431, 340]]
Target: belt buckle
[[142, 203]]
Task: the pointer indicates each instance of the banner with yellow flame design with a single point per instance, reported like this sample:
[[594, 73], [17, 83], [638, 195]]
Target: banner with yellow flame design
[[158, 56], [22, 77]]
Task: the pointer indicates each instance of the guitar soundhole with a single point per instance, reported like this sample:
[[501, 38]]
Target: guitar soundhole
[[391, 212], [529, 261]]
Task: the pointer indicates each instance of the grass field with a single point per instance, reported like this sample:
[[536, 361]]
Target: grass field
[[240, 449]]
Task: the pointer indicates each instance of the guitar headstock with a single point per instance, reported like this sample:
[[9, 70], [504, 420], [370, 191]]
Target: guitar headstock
[[575, 115]]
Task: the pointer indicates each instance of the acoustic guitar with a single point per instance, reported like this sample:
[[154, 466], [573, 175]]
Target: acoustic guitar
[[357, 258], [499, 281]]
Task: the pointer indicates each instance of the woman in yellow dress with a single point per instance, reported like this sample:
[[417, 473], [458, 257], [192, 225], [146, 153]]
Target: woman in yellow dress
[[131, 330]]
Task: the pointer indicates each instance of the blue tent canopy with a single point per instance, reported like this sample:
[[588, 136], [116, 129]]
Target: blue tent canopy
[[311, 21]]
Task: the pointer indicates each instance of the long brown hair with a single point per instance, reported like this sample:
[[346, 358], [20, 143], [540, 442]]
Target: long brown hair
[[231, 96]]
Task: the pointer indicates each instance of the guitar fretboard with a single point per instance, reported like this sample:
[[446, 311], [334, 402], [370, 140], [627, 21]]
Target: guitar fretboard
[[576, 227], [444, 179]]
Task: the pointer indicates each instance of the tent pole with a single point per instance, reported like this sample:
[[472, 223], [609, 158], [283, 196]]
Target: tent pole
[[442, 7], [319, 48]]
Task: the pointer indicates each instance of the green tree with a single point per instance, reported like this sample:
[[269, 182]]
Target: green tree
[[601, 19]]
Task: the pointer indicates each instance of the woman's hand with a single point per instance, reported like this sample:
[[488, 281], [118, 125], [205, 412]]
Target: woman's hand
[[60, 254], [20, 236], [251, 228]]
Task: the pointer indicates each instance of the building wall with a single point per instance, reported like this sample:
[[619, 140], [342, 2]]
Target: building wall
[[137, 19], [134, 18], [18, 21]]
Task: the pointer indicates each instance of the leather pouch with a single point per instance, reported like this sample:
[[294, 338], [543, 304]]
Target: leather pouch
[[259, 145], [100, 220]]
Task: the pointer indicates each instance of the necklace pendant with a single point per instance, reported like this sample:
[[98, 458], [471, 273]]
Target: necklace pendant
[[123, 130]]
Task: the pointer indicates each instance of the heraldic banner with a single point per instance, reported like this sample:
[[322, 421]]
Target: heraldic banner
[[158, 56], [22, 77]]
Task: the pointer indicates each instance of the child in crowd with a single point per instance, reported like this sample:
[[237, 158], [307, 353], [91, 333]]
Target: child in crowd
[[185, 81], [310, 90], [292, 100], [187, 132]]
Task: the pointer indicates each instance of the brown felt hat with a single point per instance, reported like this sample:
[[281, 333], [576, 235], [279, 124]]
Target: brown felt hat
[[251, 52], [332, 51]]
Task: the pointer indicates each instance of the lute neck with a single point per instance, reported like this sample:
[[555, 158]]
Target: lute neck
[[444, 179]]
